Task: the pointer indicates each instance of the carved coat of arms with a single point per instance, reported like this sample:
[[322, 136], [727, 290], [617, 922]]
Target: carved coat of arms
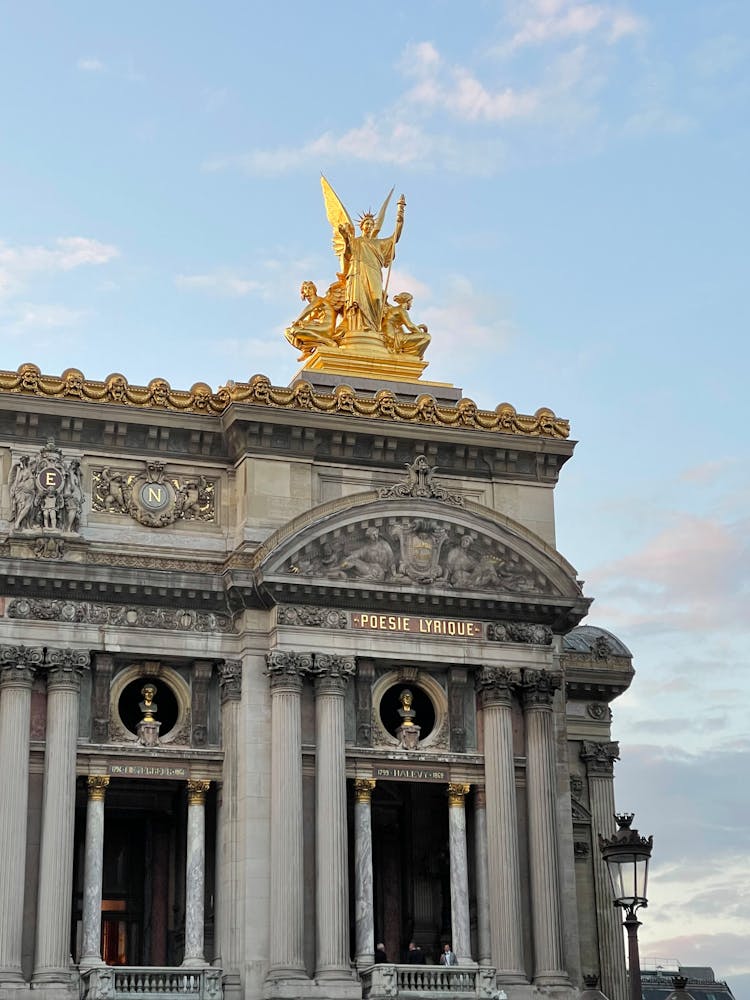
[[420, 542]]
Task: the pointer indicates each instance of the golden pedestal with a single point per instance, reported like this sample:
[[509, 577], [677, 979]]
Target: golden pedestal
[[365, 362]]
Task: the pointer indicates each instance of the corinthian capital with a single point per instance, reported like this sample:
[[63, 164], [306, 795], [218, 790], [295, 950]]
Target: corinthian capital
[[496, 685], [287, 669], [19, 663], [332, 672], [538, 688], [65, 666], [230, 680], [600, 757]]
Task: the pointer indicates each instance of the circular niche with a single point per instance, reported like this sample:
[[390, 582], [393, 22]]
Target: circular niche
[[167, 707], [390, 703]]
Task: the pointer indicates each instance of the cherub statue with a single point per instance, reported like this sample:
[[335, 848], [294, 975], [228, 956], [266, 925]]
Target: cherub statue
[[399, 332], [362, 259], [315, 326]]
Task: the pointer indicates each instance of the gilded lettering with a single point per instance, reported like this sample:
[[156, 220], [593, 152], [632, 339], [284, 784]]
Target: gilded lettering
[[155, 494]]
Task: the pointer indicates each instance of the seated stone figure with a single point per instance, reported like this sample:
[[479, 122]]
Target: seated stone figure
[[315, 325], [400, 334]]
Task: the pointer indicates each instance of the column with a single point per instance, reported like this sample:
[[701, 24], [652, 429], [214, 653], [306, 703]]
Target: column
[[331, 864], [497, 686], [459, 871], [539, 688], [17, 667], [286, 930], [52, 965], [228, 919], [482, 877], [364, 919], [93, 871], [600, 760], [195, 873]]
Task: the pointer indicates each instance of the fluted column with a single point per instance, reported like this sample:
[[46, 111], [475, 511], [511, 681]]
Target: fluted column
[[364, 918], [286, 930], [52, 966], [228, 918], [539, 688], [17, 667], [482, 877], [93, 871], [600, 759], [195, 873], [331, 884], [497, 686], [459, 872]]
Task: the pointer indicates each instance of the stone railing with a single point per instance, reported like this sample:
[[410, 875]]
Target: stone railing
[[131, 983], [386, 981]]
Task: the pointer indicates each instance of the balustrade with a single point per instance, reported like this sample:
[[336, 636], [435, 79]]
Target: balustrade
[[386, 980], [149, 983]]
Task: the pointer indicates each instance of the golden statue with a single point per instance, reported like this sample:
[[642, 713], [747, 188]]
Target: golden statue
[[353, 329]]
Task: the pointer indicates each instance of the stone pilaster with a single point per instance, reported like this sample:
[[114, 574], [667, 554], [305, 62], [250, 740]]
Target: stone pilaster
[[228, 916], [539, 688], [364, 919], [332, 892], [600, 760], [286, 931], [459, 872], [93, 870], [497, 687], [103, 668], [482, 877], [17, 667], [201, 675], [195, 873], [52, 965]]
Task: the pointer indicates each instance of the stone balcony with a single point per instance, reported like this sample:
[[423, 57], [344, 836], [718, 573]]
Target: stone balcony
[[150, 983], [386, 981]]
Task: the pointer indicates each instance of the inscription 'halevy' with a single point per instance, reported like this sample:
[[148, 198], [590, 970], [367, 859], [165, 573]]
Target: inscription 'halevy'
[[455, 628], [395, 773]]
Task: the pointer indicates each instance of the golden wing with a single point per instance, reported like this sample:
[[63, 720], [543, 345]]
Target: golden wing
[[337, 216], [380, 217]]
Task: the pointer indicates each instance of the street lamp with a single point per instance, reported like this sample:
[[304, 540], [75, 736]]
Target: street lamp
[[627, 855]]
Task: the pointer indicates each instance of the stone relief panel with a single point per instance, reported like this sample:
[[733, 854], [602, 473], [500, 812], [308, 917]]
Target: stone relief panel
[[418, 550], [126, 615], [46, 494], [152, 496]]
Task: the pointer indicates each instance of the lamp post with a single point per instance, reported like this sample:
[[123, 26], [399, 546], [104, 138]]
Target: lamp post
[[627, 855]]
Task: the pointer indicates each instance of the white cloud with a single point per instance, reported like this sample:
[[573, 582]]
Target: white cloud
[[219, 283], [90, 65], [543, 21], [18, 263]]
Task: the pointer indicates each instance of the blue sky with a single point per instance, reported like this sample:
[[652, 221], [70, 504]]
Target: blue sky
[[576, 237]]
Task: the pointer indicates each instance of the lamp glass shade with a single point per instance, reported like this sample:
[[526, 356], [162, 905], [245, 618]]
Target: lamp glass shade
[[628, 873]]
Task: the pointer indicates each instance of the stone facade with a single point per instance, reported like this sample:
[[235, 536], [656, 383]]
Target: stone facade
[[281, 679]]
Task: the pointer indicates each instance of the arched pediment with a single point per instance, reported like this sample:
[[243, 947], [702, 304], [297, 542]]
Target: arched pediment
[[377, 549]]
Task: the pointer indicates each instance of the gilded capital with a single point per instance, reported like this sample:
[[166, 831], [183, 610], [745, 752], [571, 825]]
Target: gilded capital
[[457, 794], [363, 789], [97, 786], [197, 789], [496, 685], [538, 688], [230, 680]]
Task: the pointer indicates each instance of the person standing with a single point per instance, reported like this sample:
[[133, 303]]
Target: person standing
[[448, 957]]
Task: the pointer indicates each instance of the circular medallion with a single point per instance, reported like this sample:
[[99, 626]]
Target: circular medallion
[[50, 478], [155, 496]]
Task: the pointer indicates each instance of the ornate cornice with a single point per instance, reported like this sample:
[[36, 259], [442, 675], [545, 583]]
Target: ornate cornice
[[230, 680], [538, 688], [600, 757], [259, 391], [539, 635], [126, 615], [496, 685], [311, 616]]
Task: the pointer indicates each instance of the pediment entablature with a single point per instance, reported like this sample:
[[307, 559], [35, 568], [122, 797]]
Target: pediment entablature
[[392, 552]]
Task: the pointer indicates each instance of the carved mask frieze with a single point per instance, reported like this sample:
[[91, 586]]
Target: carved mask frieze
[[152, 496], [46, 494], [418, 550]]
